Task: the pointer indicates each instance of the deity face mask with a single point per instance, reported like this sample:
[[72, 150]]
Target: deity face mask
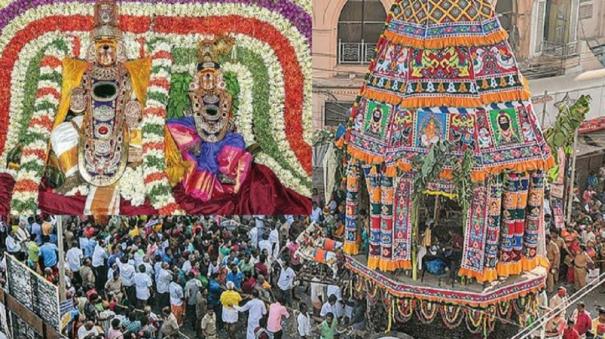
[[211, 104], [106, 52], [504, 122]]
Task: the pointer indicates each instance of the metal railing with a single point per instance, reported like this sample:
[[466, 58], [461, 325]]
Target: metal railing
[[355, 52]]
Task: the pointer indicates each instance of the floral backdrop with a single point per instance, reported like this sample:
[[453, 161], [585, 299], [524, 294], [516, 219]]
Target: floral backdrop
[[268, 74]]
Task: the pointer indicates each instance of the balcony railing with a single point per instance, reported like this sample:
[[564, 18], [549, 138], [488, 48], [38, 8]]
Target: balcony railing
[[355, 52]]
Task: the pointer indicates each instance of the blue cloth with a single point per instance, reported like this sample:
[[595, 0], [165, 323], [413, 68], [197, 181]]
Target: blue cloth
[[37, 230], [236, 278], [214, 292], [48, 252], [113, 258], [435, 266], [87, 246], [207, 159]]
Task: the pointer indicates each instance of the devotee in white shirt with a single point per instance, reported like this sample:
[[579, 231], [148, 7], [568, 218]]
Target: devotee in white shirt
[[253, 235], [142, 283], [186, 268], [256, 310], [74, 257], [303, 321], [163, 285], [274, 240], [127, 272]]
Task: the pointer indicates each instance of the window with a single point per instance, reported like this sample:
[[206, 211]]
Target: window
[[359, 26], [504, 10], [336, 112], [586, 11], [541, 16], [507, 14]]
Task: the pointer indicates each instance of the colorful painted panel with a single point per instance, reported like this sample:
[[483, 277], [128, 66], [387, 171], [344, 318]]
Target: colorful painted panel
[[493, 223], [392, 61], [473, 255], [402, 220], [431, 127], [505, 126], [535, 215], [462, 131], [376, 119], [401, 132], [493, 61]]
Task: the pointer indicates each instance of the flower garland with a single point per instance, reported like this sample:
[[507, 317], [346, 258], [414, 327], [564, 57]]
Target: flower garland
[[474, 320], [285, 176], [280, 67], [426, 311], [24, 82], [35, 140], [132, 186], [156, 183], [244, 113], [520, 305], [276, 97], [452, 315], [298, 42], [490, 318], [504, 309], [405, 310], [262, 119]]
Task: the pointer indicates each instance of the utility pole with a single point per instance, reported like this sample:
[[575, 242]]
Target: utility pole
[[571, 179], [544, 109], [61, 258]]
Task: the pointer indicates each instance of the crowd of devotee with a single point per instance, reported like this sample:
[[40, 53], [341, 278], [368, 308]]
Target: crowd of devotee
[[178, 277]]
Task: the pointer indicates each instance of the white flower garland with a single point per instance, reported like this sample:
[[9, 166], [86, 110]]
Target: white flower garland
[[34, 153], [132, 186], [158, 188], [17, 91], [244, 114], [277, 97]]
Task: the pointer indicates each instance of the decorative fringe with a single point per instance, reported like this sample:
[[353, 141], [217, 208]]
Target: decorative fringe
[[465, 272], [350, 247], [477, 176], [509, 268], [529, 264], [523, 166], [459, 101], [390, 265], [489, 275], [441, 42], [364, 156], [373, 261]]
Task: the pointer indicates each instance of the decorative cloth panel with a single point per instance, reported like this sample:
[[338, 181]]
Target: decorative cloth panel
[[473, 254], [374, 191], [493, 227], [402, 217], [505, 265], [519, 227], [534, 220], [351, 245], [386, 225]]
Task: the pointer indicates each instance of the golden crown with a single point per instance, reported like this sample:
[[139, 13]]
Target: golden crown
[[211, 49], [106, 20]]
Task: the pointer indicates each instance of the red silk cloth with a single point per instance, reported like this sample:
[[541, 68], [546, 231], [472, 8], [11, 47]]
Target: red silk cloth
[[262, 193]]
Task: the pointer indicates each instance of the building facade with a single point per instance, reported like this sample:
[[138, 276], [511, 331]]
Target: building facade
[[559, 44]]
